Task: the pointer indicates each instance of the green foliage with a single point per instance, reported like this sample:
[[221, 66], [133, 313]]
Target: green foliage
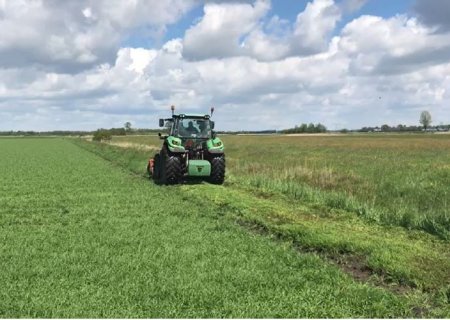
[[102, 135], [397, 128], [425, 119], [117, 131], [107, 134], [307, 128]]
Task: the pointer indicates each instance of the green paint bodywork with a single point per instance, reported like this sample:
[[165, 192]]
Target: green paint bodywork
[[215, 146], [199, 168], [175, 144]]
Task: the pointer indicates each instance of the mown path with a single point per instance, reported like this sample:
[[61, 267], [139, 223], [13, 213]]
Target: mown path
[[80, 237]]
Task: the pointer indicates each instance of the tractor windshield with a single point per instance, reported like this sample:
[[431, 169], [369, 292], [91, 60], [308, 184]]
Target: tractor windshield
[[194, 128]]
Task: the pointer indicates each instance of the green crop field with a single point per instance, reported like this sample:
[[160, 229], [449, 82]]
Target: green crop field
[[400, 180], [352, 226]]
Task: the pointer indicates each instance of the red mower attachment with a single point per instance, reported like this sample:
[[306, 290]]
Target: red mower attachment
[[151, 166]]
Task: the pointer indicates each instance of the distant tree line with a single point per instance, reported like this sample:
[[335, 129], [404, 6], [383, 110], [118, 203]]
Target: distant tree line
[[425, 121], [404, 128], [117, 131], [106, 134], [45, 133], [307, 128]]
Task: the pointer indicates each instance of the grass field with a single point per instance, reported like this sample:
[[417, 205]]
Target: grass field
[[302, 231], [400, 180]]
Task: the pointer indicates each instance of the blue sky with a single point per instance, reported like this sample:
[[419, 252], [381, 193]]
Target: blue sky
[[88, 64], [382, 8], [284, 9], [386, 8]]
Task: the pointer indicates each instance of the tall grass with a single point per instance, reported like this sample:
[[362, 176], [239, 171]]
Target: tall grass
[[401, 180], [397, 180]]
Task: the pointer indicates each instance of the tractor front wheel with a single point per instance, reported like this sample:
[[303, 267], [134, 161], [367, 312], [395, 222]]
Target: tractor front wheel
[[217, 170], [170, 168]]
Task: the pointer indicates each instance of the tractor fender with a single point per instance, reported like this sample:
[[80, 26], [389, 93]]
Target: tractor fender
[[215, 146], [175, 144]]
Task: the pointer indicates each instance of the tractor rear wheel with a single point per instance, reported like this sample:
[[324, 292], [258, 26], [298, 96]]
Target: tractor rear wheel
[[170, 168], [217, 170]]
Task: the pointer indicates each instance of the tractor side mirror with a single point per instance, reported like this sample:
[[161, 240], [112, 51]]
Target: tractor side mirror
[[161, 123], [212, 124]]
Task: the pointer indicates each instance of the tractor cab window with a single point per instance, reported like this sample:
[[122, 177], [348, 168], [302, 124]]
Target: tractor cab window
[[194, 128]]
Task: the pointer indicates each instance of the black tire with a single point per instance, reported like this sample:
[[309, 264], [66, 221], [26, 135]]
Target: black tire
[[217, 170], [170, 168]]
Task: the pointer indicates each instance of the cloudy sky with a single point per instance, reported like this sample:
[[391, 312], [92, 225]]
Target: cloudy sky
[[85, 64]]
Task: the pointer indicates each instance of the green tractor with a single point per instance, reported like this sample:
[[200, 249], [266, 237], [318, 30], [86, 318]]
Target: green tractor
[[190, 150]]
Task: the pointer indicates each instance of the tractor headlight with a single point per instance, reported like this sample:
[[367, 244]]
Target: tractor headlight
[[176, 143], [217, 144]]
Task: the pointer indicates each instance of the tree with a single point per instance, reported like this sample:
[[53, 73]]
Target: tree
[[321, 128], [102, 135], [127, 126], [303, 127], [425, 119]]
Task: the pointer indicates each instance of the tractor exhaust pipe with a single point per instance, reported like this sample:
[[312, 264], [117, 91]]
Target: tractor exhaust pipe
[[172, 107], [212, 111]]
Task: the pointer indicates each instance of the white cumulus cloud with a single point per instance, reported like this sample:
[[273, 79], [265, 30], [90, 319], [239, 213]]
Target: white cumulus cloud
[[259, 70]]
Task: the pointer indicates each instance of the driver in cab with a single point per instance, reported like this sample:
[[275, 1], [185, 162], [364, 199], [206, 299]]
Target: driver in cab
[[191, 129]]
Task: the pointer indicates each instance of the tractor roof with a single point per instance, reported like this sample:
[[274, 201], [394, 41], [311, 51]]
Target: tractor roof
[[191, 116]]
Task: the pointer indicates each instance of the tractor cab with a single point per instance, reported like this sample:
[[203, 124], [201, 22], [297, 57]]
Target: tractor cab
[[190, 126]]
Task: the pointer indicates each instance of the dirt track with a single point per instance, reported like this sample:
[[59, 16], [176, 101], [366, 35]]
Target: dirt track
[[314, 134]]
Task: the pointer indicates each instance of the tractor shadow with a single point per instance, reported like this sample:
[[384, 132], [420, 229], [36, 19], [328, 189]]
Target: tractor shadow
[[185, 181], [193, 181]]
